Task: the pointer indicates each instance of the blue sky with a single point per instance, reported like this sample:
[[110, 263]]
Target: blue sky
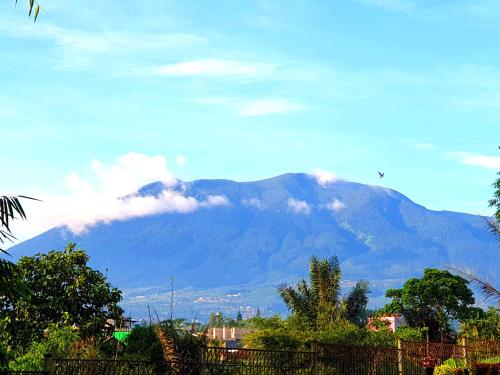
[[250, 89]]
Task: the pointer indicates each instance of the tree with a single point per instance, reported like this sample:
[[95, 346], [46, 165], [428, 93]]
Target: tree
[[494, 202], [64, 289], [432, 301], [320, 303], [10, 210], [488, 289], [482, 325], [216, 319], [11, 286]]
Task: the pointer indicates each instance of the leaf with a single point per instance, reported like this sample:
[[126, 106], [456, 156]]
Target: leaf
[[37, 10], [32, 2]]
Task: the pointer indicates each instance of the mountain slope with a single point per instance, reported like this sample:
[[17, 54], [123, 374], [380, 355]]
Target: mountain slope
[[233, 255]]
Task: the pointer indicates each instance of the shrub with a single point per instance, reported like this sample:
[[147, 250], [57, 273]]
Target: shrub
[[454, 362], [444, 370], [58, 341]]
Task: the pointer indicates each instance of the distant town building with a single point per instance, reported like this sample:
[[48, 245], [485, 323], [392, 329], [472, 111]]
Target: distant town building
[[393, 321], [229, 337]]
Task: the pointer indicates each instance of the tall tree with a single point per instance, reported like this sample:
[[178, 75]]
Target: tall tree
[[10, 210], [64, 289], [488, 289], [320, 302], [11, 286], [494, 202], [432, 301]]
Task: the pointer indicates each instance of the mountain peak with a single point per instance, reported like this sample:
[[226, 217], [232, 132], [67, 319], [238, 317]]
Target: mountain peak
[[266, 233]]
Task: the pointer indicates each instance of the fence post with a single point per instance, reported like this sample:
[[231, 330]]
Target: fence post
[[203, 357], [314, 349], [465, 351], [48, 363], [400, 357]]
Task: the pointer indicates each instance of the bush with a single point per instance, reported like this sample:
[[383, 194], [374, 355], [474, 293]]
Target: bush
[[407, 333], [444, 370], [454, 363], [58, 341]]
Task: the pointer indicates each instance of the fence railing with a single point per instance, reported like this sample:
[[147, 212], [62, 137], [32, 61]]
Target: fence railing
[[324, 359], [349, 359], [102, 366], [256, 361]]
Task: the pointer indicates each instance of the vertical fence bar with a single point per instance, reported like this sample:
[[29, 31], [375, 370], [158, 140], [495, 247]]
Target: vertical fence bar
[[48, 363], [314, 349], [464, 344], [400, 357], [203, 358]]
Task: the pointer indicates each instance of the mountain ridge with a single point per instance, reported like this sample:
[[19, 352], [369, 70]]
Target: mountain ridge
[[265, 233]]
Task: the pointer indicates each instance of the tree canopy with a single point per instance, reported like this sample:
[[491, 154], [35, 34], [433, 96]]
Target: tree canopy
[[64, 289], [320, 302], [432, 301]]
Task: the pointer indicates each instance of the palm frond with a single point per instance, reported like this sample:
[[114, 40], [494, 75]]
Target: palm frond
[[10, 209], [355, 303], [488, 290]]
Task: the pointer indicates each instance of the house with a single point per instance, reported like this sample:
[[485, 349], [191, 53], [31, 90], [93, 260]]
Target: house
[[230, 337], [393, 321]]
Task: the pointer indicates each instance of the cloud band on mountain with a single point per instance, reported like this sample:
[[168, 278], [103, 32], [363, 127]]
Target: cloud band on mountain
[[110, 194]]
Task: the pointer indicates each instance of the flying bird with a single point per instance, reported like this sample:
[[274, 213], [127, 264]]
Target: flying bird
[[380, 174]]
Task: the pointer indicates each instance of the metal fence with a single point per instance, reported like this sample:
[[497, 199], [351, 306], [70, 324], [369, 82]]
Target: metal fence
[[357, 360], [483, 351], [255, 362], [106, 367], [410, 358]]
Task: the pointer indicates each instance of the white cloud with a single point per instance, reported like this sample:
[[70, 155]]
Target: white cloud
[[484, 161], [252, 202], [214, 67], [215, 200], [298, 206], [109, 195], [180, 160], [335, 205], [324, 178], [259, 107], [83, 49]]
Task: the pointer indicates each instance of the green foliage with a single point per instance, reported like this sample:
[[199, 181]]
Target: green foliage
[[495, 201], [64, 290], [277, 334], [483, 325], [216, 319], [432, 301], [444, 370], [143, 344], [319, 303], [292, 334], [57, 341], [454, 363], [407, 333]]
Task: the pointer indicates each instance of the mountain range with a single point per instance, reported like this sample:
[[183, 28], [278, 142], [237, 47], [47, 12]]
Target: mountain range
[[232, 254]]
